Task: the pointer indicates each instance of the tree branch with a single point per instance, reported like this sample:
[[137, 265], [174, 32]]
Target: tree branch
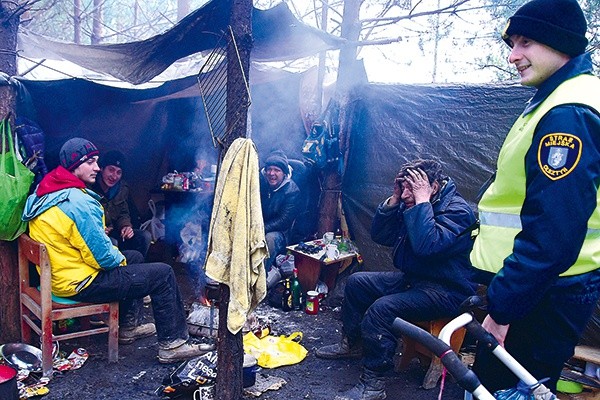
[[378, 41]]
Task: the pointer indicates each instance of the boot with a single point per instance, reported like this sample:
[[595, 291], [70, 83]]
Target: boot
[[343, 349], [128, 336], [183, 352], [371, 386]]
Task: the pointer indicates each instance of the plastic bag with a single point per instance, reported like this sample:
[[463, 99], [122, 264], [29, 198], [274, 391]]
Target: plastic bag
[[189, 376], [275, 351], [525, 392], [286, 265], [15, 180], [192, 247], [154, 225]]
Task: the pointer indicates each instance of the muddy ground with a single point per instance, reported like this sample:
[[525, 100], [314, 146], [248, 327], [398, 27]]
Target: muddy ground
[[138, 373]]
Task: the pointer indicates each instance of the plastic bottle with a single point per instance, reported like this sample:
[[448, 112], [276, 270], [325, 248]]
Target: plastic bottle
[[297, 300], [286, 298]]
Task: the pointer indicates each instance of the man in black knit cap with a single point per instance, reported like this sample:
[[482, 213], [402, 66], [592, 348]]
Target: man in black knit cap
[[115, 192], [539, 241], [279, 196]]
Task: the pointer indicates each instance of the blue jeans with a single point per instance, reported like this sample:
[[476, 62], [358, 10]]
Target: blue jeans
[[276, 243], [129, 284], [546, 338], [372, 300]]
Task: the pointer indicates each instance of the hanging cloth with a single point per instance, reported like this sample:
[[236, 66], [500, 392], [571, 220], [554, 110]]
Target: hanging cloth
[[236, 242]]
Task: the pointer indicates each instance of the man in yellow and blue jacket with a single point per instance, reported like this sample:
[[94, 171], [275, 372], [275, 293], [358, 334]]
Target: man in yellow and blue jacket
[[69, 219], [539, 241]]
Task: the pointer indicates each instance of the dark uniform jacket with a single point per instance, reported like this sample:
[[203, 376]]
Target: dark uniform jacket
[[555, 213], [432, 241]]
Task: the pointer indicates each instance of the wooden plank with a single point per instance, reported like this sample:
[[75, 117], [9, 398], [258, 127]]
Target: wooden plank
[[587, 353]]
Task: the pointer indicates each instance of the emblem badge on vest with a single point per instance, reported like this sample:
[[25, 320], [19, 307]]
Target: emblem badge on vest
[[559, 154]]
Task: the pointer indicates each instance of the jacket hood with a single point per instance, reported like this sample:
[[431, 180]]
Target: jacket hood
[[58, 179], [54, 188]]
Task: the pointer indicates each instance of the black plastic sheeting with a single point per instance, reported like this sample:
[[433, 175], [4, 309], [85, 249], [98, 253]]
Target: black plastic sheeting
[[462, 126], [157, 130], [277, 36]]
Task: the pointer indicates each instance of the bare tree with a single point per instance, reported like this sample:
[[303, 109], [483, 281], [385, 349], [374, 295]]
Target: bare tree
[[183, 9], [96, 36], [77, 21]]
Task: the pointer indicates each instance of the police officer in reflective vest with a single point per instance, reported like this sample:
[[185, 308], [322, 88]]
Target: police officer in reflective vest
[[539, 240]]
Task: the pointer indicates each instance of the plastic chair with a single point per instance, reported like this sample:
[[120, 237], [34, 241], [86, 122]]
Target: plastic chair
[[38, 310]]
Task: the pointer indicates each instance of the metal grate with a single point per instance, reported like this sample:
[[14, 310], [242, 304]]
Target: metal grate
[[213, 80]]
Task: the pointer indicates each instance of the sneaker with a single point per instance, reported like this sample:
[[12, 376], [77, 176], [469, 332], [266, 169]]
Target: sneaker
[[340, 350], [184, 352], [127, 336]]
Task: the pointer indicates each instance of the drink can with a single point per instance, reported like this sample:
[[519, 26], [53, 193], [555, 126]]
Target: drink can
[[77, 358]]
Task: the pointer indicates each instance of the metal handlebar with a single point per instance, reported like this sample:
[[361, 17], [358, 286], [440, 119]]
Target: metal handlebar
[[463, 375], [441, 348]]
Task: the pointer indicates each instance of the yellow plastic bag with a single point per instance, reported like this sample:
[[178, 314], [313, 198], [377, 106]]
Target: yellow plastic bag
[[275, 351]]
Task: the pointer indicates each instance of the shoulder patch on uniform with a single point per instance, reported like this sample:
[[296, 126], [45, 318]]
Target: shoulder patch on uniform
[[559, 154]]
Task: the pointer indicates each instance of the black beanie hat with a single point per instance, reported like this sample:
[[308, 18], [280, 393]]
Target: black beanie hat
[[75, 151], [559, 24], [278, 159], [113, 157]]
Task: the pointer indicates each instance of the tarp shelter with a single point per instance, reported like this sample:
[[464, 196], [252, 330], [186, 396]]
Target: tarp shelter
[[164, 127], [463, 126], [277, 35]]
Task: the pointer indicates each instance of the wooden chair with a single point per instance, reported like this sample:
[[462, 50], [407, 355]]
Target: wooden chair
[[38, 310], [412, 349]]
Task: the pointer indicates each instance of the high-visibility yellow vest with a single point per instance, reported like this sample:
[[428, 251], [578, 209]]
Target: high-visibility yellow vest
[[500, 206]]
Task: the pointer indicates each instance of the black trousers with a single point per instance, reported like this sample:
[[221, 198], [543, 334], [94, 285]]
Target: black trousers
[[129, 284]]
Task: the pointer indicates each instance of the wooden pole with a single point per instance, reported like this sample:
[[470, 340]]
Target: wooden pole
[[10, 327], [347, 72], [230, 349]]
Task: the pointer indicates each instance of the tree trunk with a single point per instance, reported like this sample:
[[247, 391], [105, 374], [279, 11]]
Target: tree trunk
[[230, 347], [183, 9], [322, 59], [348, 71], [351, 32], [9, 24], [9, 278], [97, 22], [77, 21]]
